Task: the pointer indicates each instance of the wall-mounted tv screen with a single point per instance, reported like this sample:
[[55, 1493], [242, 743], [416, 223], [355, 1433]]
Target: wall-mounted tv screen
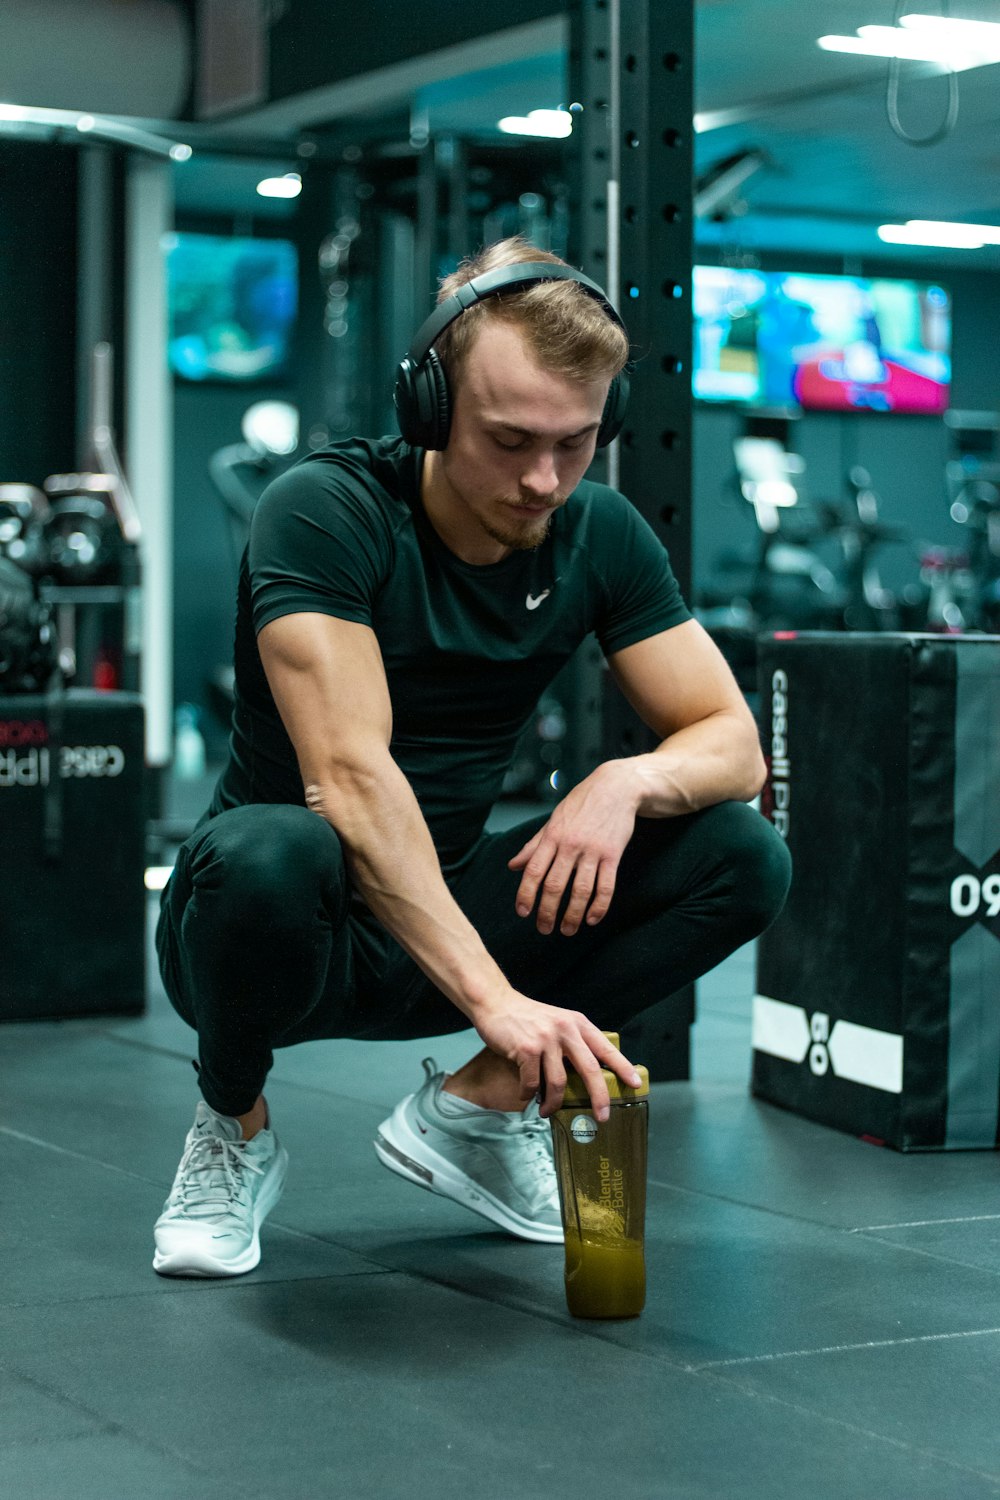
[[821, 343], [232, 305]]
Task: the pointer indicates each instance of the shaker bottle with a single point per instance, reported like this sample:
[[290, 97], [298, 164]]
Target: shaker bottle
[[601, 1170]]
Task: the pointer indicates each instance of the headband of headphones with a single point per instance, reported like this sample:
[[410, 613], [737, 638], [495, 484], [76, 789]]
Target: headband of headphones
[[524, 274], [421, 395]]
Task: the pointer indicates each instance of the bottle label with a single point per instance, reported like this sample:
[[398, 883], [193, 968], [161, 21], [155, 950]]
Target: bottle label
[[612, 1187], [583, 1129]]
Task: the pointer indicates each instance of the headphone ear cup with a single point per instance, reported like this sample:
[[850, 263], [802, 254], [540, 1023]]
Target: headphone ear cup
[[439, 402], [405, 401], [423, 402], [613, 417]]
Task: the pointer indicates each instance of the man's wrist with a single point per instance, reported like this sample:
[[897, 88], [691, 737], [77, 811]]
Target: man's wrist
[[652, 787], [481, 993], [637, 781]]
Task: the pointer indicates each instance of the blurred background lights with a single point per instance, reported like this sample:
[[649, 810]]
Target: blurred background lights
[[553, 123], [289, 186]]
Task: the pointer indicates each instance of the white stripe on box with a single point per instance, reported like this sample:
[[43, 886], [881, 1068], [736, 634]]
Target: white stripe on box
[[861, 1054], [864, 1055], [780, 1029]]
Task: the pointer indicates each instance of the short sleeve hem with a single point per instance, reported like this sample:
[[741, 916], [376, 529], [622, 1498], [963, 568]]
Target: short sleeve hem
[[306, 604], [619, 639]]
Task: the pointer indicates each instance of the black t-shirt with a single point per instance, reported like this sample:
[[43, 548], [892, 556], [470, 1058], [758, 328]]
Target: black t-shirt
[[467, 650]]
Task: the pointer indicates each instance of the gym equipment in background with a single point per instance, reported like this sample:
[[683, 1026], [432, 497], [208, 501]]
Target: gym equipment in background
[[91, 579], [972, 478], [28, 660], [23, 512], [270, 438], [81, 536], [270, 433], [90, 567], [814, 565], [876, 1009], [859, 531], [779, 581], [72, 855], [792, 587]]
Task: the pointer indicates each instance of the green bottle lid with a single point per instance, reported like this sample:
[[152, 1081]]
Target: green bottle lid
[[576, 1093]]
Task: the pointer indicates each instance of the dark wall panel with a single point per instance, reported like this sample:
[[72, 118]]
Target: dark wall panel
[[38, 238], [318, 42]]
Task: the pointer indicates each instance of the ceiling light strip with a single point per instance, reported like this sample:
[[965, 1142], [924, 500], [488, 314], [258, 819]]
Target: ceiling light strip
[[940, 234]]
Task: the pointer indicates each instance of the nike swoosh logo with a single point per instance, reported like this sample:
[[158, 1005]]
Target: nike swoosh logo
[[421, 1128], [532, 602]]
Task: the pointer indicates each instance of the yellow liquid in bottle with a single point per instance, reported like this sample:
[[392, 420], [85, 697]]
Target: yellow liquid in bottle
[[604, 1278]]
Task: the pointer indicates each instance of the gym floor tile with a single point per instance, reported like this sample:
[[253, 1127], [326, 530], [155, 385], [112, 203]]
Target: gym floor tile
[[162, 1028], [935, 1396], [372, 1073], [127, 1105], [423, 1388], [712, 1137], [29, 1413], [966, 1241], [819, 1320], [108, 1465], [724, 1282], [85, 1230]]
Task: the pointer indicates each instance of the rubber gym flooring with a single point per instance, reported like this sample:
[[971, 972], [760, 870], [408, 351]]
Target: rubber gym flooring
[[823, 1319]]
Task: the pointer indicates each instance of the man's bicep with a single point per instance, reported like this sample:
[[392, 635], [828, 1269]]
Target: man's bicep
[[676, 678], [329, 686]]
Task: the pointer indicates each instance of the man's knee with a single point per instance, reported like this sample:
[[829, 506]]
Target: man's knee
[[758, 862], [268, 862]]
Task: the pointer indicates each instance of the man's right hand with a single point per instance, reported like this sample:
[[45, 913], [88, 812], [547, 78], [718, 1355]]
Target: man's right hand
[[540, 1039]]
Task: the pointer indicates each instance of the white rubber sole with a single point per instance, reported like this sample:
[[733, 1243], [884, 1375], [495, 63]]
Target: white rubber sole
[[196, 1258], [409, 1155]]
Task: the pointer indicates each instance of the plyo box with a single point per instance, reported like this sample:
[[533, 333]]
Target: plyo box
[[878, 988], [72, 855]]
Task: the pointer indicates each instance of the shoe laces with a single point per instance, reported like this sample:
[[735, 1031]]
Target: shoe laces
[[537, 1134], [211, 1178]]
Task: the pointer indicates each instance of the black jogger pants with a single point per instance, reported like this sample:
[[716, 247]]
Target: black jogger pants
[[263, 943]]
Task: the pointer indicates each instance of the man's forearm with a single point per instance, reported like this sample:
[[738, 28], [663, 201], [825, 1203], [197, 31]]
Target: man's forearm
[[396, 870], [715, 760]]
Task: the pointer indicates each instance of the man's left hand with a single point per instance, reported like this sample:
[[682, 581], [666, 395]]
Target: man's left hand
[[578, 850]]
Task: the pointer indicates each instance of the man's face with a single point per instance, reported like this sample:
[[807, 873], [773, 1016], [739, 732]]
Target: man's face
[[521, 439]]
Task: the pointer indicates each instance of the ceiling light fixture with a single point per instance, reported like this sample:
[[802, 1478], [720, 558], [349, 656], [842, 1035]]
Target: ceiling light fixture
[[972, 33], [555, 124], [289, 186], [950, 44], [940, 234]]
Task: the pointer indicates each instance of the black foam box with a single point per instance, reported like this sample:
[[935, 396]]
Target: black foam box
[[878, 988], [72, 855]]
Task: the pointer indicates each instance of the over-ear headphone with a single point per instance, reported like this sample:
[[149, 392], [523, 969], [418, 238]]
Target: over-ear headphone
[[421, 395]]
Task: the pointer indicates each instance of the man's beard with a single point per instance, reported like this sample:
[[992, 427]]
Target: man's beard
[[525, 537]]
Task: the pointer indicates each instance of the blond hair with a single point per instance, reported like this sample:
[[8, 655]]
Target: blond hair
[[565, 327]]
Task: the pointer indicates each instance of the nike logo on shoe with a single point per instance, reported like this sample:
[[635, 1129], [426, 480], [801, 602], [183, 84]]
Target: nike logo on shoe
[[533, 601]]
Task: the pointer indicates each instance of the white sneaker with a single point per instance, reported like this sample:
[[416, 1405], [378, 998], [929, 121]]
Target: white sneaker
[[224, 1189], [498, 1164]]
